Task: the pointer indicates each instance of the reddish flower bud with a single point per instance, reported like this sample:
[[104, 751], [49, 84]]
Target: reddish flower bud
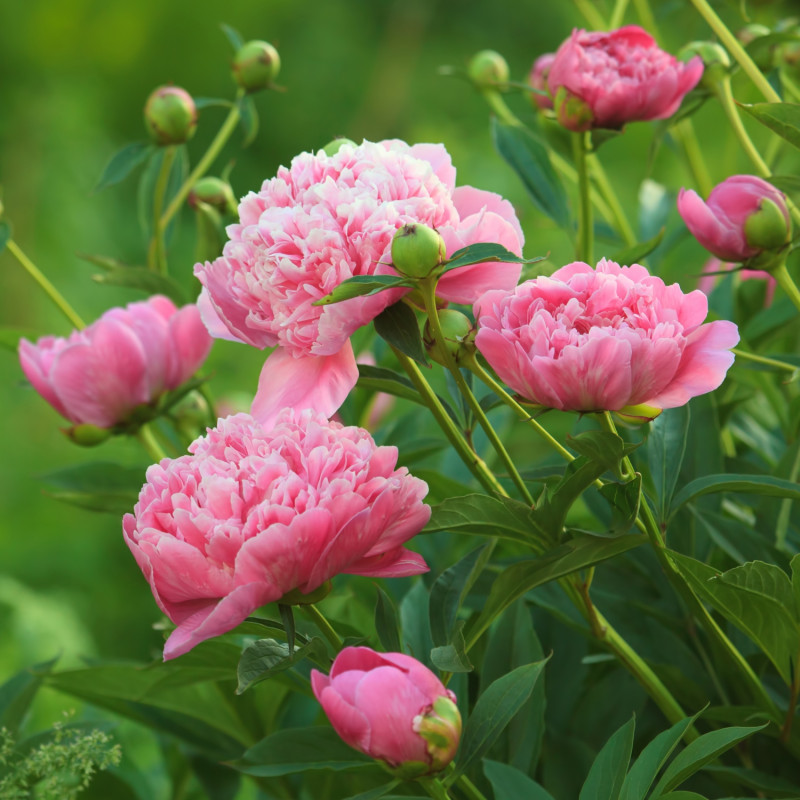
[[538, 80], [170, 115]]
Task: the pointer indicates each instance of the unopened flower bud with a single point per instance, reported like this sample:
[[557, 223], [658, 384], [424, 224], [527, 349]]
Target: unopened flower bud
[[333, 147], [440, 727], [170, 115], [213, 192], [417, 250], [572, 112], [87, 435], [538, 80], [256, 65], [716, 61], [459, 337], [767, 228], [488, 69]]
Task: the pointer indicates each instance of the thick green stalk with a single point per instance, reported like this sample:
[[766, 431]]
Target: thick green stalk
[[63, 306], [620, 220], [468, 788], [724, 94], [683, 133], [428, 290], [327, 630], [157, 253], [435, 788], [228, 126], [585, 249], [591, 14], [784, 279], [617, 15], [767, 362], [151, 445]]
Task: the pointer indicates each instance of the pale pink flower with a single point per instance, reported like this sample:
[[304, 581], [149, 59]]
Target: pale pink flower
[[390, 707], [323, 220], [253, 514], [604, 80], [724, 224], [127, 358], [601, 339], [538, 79]]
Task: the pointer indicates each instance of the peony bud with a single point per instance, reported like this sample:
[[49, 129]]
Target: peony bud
[[333, 146], [213, 192], [743, 219], [256, 65], [170, 115], [417, 250], [392, 708], [538, 80], [459, 337], [488, 69], [87, 435]]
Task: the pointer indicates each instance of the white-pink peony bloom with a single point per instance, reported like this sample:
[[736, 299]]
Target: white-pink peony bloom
[[601, 339], [323, 220], [253, 514]]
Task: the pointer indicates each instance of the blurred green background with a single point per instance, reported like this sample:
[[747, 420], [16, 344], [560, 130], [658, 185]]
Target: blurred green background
[[74, 75]]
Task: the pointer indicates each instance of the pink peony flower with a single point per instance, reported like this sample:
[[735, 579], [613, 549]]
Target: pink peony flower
[[538, 79], [714, 266], [602, 339], [390, 707], [126, 358], [743, 217], [604, 80], [253, 514], [321, 221]]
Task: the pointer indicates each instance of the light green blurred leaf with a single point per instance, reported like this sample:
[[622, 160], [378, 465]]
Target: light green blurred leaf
[[143, 279], [96, 485], [387, 623], [123, 163], [781, 118]]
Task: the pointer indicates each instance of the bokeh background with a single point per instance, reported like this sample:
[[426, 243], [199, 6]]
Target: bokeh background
[[74, 75]]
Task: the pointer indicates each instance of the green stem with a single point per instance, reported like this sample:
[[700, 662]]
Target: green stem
[[474, 463], [768, 362], [782, 523], [66, 309], [468, 788], [733, 46], [646, 17], [620, 220], [617, 15], [585, 225], [725, 96], [683, 133], [428, 291], [790, 87], [435, 788], [228, 126], [784, 279], [148, 440], [591, 14], [157, 254], [318, 618], [498, 105], [786, 729], [569, 172]]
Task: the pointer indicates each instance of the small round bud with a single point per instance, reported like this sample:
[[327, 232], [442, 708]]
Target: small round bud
[[767, 228], [417, 250], [333, 147], [170, 115], [213, 192], [87, 435], [440, 727], [716, 61], [459, 337], [256, 65], [488, 69]]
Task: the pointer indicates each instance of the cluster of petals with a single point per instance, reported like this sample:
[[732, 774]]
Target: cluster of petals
[[254, 513], [322, 220], [128, 357], [620, 76], [587, 339], [376, 701]]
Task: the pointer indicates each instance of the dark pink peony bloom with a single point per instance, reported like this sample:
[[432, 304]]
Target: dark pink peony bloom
[[126, 358], [604, 80], [724, 224], [253, 514], [326, 219], [390, 707], [588, 339], [538, 79]]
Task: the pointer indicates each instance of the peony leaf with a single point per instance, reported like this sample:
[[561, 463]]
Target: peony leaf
[[607, 772], [362, 286], [788, 184], [123, 163], [267, 657], [781, 118], [249, 119], [529, 158], [232, 35], [482, 252], [398, 326], [509, 783], [17, 693], [96, 485], [5, 234], [380, 379], [624, 499], [666, 446], [635, 253], [387, 623], [452, 657], [144, 280], [206, 102], [495, 708]]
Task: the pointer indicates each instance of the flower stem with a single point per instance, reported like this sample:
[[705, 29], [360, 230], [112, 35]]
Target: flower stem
[[786, 728], [585, 225], [784, 513], [617, 15], [620, 220], [768, 362], [784, 279], [468, 788], [228, 126], [435, 788], [471, 459], [151, 445], [327, 630], [683, 133], [428, 291], [66, 309], [646, 16], [157, 253], [724, 94], [591, 14], [736, 50]]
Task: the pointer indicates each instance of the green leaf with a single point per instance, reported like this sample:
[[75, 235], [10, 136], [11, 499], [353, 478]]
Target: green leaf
[[781, 118], [267, 657], [5, 234], [374, 794], [208, 102], [485, 516], [9, 338], [636, 252], [604, 447], [754, 597], [387, 623], [147, 185], [495, 708], [123, 163], [450, 590], [754, 779], [794, 564], [299, 750], [380, 379], [484, 251], [530, 159], [249, 119], [97, 485], [607, 773], [624, 500], [788, 184], [362, 286], [143, 279], [17, 693], [680, 795], [652, 758], [508, 783], [666, 446], [699, 753], [578, 553], [452, 657], [232, 35], [398, 325], [741, 484]]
